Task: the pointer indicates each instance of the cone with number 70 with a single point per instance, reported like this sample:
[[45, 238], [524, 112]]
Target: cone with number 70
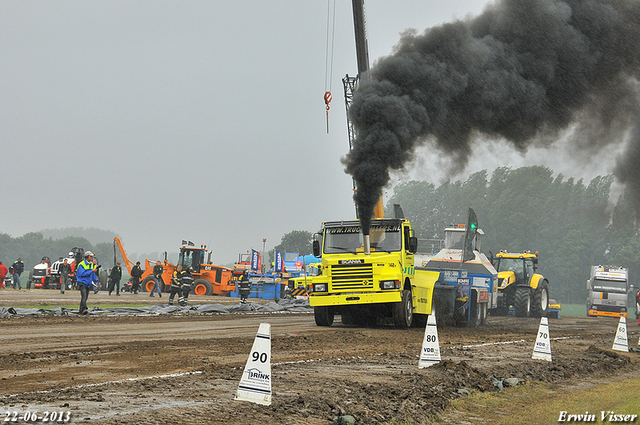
[[542, 349]]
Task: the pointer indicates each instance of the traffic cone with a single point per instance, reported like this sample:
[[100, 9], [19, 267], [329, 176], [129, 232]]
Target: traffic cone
[[542, 349], [620, 343], [255, 384], [430, 353]]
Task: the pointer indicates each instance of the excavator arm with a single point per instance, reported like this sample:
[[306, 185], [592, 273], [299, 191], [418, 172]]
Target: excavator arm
[[128, 263]]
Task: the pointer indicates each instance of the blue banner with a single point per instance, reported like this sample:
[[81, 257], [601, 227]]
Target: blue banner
[[255, 260], [279, 262]]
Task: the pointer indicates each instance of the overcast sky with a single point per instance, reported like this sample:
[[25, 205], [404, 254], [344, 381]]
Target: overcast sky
[[199, 120]]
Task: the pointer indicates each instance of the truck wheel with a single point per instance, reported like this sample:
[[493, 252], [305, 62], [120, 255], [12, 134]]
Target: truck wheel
[[147, 284], [522, 302], [323, 316], [540, 307], [202, 287], [403, 311]]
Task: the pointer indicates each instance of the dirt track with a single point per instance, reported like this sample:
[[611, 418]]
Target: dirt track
[[186, 369]]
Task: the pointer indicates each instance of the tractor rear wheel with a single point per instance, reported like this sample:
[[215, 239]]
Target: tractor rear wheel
[[540, 307], [522, 302], [202, 287], [403, 311], [323, 316]]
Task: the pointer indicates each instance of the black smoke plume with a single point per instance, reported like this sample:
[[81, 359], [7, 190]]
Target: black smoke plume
[[524, 71]]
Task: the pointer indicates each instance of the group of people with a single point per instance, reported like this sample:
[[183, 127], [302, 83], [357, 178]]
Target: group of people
[[15, 270], [87, 272], [87, 277]]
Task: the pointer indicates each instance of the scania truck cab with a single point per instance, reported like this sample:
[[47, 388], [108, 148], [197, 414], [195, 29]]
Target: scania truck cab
[[607, 291], [364, 286]]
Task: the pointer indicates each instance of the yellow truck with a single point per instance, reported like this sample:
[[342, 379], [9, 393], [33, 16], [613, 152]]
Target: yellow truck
[[364, 287], [367, 281]]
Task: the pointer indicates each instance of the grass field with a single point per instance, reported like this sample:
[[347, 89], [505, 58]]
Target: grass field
[[546, 402], [580, 310]]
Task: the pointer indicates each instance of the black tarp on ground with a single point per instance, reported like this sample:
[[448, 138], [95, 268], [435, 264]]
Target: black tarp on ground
[[279, 306]]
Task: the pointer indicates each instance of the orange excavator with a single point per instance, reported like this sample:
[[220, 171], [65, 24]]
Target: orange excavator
[[209, 279]]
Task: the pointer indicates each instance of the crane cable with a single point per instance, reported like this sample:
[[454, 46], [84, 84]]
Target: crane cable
[[328, 75]]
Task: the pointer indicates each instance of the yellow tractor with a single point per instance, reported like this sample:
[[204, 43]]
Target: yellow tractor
[[519, 286]]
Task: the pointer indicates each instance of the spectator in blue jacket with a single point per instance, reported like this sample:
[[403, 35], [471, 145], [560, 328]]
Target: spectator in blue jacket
[[87, 276]]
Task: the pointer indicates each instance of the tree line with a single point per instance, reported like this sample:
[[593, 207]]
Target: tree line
[[32, 247], [572, 224]]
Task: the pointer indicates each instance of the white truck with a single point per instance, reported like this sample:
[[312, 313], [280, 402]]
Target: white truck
[[607, 291]]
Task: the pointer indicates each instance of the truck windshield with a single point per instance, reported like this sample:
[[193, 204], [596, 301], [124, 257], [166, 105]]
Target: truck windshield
[[339, 240], [610, 286]]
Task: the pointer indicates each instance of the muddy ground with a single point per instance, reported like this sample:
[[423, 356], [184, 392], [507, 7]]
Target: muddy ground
[[186, 368]]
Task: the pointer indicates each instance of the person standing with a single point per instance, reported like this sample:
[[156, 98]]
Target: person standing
[[65, 270], [3, 274], [157, 276], [87, 276], [114, 278], [18, 268], [176, 285], [136, 273], [186, 278], [244, 287]]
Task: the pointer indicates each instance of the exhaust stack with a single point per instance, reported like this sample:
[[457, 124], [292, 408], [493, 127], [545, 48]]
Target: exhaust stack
[[367, 244]]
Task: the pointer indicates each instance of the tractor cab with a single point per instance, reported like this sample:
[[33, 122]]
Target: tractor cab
[[516, 268], [191, 257]]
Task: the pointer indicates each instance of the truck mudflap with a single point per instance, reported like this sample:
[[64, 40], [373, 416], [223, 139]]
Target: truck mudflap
[[422, 290], [359, 298]]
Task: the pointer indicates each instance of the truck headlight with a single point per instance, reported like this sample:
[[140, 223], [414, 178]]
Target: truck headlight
[[389, 284], [320, 287]]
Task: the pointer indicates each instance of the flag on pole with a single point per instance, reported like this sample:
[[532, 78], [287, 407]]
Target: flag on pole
[[255, 260], [279, 262]]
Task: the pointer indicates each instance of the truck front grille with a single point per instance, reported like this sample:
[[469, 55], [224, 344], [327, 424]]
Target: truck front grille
[[351, 277]]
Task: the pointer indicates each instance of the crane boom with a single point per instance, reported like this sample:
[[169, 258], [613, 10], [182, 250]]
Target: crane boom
[[362, 47], [350, 83]]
